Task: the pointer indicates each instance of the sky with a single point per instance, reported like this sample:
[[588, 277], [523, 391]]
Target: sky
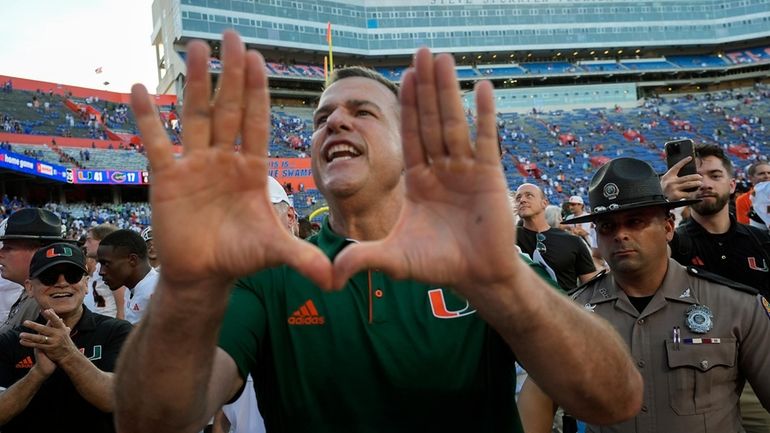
[[64, 41]]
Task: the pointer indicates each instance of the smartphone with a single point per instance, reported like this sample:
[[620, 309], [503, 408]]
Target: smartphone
[[679, 150]]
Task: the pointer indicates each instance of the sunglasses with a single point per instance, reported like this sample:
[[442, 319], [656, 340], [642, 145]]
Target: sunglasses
[[49, 278], [540, 245]]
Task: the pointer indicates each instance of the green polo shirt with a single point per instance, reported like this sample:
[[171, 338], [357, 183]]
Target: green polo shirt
[[379, 355]]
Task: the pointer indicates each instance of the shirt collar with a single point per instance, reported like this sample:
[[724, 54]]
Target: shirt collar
[[329, 242], [675, 287]]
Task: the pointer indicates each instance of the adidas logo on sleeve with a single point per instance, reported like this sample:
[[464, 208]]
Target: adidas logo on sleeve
[[306, 315]]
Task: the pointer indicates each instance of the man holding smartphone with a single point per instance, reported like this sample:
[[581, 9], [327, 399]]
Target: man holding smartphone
[[715, 241]]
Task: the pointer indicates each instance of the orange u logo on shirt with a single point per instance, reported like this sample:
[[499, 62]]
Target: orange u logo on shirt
[[439, 307]]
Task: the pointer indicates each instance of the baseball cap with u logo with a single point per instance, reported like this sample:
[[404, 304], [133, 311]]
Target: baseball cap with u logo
[[56, 254]]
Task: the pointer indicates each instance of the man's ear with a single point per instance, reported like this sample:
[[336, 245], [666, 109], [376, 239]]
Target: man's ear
[[28, 287], [669, 222]]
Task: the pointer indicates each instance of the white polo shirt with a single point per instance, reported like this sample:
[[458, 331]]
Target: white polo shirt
[[138, 297]]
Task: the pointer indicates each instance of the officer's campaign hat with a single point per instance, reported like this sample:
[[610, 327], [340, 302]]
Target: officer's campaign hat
[[33, 223], [623, 184]]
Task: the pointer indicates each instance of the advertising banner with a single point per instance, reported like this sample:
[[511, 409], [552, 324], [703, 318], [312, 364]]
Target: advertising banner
[[29, 165]]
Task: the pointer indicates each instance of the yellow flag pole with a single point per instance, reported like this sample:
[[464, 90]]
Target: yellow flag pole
[[329, 40]]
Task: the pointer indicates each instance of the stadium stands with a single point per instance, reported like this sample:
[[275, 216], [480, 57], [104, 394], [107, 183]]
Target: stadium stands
[[647, 65], [698, 61], [540, 68]]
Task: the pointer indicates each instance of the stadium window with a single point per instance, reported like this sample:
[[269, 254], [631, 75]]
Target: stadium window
[[482, 13], [499, 12], [446, 14]]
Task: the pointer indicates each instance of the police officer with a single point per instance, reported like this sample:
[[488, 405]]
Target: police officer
[[712, 239], [696, 337]]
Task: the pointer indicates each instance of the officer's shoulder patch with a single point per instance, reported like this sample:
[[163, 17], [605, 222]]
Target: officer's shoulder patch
[[574, 293], [706, 275], [765, 304]]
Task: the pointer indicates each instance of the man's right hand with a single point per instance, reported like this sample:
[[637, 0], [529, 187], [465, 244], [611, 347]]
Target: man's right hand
[[674, 187], [212, 219]]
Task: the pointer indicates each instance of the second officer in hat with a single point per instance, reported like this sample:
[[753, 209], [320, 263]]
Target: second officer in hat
[[696, 337], [26, 230]]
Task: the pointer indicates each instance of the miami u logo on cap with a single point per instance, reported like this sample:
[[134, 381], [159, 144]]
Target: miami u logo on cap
[[64, 251]]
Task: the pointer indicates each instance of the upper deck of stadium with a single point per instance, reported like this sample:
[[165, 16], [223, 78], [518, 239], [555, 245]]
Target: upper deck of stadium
[[396, 27]]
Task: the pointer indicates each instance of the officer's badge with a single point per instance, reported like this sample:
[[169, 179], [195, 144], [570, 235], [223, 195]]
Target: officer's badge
[[699, 319]]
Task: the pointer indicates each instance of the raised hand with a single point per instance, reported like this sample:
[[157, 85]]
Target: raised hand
[[674, 187], [456, 227], [212, 218]]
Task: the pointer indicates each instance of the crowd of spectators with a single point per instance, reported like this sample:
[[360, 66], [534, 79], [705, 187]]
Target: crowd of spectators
[[291, 132], [12, 125], [558, 150]]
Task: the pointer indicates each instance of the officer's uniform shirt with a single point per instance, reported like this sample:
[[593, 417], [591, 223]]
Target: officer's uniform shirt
[[739, 255], [9, 293], [25, 308], [138, 297], [688, 387]]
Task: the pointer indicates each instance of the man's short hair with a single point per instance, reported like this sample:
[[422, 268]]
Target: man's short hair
[[101, 231], [704, 150], [360, 71], [128, 240], [754, 165]]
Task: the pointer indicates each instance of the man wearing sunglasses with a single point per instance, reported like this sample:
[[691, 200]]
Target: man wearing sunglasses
[[26, 231], [568, 256], [55, 372]]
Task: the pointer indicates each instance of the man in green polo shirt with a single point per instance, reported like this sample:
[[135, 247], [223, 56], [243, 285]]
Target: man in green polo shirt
[[382, 352]]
